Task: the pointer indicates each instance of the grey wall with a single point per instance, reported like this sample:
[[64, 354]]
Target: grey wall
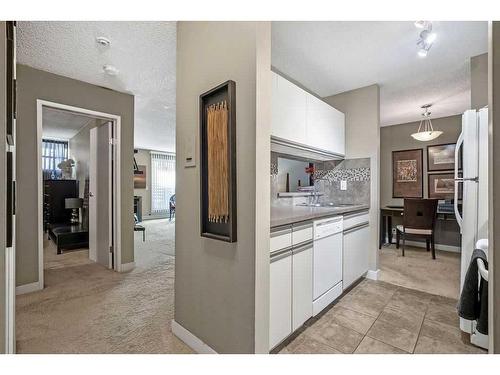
[[362, 136], [398, 137], [33, 84], [494, 181], [3, 117], [479, 81], [143, 157], [221, 287]]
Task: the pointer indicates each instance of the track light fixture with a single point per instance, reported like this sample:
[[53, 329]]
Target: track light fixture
[[426, 37]]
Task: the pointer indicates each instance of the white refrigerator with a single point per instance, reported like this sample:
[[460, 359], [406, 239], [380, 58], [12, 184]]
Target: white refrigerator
[[473, 220]]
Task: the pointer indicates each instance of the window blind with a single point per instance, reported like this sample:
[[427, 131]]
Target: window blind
[[53, 152], [162, 181]]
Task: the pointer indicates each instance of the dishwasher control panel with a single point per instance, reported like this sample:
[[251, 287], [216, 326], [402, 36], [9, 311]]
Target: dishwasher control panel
[[327, 227]]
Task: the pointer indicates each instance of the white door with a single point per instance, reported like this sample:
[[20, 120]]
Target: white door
[[100, 195], [280, 298], [302, 285], [327, 263]]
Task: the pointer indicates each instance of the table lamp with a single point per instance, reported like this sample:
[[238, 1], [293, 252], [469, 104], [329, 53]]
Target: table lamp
[[74, 204]]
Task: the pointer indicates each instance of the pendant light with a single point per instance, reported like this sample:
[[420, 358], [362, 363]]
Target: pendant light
[[425, 130]]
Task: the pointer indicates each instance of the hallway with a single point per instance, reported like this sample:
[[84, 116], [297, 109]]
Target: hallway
[[89, 309]]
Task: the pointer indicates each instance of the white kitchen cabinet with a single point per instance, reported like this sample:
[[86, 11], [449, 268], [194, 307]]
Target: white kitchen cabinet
[[325, 126], [356, 252], [280, 319], [302, 285], [288, 110]]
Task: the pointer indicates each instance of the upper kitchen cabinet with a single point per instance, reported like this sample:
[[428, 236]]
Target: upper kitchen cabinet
[[306, 122], [325, 126], [288, 110]]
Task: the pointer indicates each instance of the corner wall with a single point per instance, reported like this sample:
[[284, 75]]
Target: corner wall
[[479, 81], [33, 84], [3, 176], [494, 181], [221, 289], [362, 137]]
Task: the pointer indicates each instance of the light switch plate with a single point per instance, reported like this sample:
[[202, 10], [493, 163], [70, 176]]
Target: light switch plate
[[190, 152], [343, 185]]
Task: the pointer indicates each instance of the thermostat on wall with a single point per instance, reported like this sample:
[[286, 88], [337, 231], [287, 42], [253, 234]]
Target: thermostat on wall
[[190, 152]]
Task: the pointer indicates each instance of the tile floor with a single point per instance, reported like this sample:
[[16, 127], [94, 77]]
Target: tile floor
[[378, 317]]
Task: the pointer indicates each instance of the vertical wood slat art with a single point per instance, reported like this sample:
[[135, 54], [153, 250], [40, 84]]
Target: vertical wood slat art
[[218, 204], [218, 162]]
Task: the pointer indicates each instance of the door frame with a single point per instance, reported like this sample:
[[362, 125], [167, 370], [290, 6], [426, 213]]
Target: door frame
[[116, 119]]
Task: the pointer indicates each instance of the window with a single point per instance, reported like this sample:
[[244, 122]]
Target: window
[[162, 181], [53, 152]]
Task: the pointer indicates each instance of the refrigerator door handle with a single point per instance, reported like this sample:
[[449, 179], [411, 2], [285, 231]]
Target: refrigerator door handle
[[458, 180]]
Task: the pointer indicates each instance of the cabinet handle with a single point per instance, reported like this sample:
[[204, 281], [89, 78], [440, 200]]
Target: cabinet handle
[[305, 246], [280, 254], [357, 227]]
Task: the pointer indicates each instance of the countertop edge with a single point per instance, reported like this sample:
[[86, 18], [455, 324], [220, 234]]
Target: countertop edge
[[310, 217]]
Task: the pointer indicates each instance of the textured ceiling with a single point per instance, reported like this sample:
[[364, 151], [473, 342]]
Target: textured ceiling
[[332, 57], [61, 124], [143, 52]]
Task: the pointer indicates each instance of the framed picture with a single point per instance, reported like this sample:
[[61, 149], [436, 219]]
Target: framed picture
[[442, 157], [407, 178], [140, 177], [218, 163], [442, 186]]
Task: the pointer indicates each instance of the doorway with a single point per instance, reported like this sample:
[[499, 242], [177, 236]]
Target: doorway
[[87, 202]]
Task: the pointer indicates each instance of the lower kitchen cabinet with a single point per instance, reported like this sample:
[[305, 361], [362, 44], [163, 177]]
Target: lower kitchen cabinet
[[356, 253], [302, 284], [280, 319]]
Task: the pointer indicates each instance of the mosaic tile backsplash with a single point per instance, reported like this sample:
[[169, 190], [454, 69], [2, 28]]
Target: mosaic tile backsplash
[[328, 176]]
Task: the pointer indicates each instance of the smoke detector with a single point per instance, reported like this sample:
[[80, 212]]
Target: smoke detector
[[103, 41], [110, 70]]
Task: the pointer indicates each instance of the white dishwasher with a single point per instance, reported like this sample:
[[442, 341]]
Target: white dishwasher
[[327, 262]]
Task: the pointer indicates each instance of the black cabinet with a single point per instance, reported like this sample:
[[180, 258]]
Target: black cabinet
[[54, 194]]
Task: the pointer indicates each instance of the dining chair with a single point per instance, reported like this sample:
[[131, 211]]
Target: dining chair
[[419, 220]]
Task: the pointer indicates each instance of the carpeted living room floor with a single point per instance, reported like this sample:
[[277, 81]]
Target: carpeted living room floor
[[86, 308]]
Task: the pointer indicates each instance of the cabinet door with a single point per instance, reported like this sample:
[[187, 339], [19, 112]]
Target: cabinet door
[[325, 126], [356, 253], [288, 110], [280, 324], [302, 285]]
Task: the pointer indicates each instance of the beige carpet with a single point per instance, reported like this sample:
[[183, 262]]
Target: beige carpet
[[86, 308], [417, 270]]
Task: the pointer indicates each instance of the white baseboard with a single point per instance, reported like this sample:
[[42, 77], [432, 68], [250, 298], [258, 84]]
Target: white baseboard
[[453, 249], [127, 267], [372, 274], [28, 288], [191, 340]]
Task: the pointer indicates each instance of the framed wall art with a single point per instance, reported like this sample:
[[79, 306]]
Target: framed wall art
[[442, 186], [442, 157], [407, 176], [218, 162], [140, 177]]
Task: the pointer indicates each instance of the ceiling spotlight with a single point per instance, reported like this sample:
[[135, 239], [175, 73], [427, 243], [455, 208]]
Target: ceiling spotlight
[[420, 24], [110, 70], [422, 52], [428, 36], [103, 41]]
